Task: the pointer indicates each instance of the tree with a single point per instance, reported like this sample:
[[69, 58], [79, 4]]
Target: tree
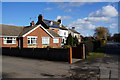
[[101, 33], [88, 38], [75, 42], [116, 37], [69, 40]]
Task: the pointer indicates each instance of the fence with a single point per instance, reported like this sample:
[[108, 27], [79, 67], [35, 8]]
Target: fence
[[57, 54]]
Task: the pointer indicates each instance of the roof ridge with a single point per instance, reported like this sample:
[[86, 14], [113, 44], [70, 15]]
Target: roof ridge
[[10, 25]]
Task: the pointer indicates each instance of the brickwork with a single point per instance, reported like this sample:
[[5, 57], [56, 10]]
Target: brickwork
[[8, 45], [39, 32]]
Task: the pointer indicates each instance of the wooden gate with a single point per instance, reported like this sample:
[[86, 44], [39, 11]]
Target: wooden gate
[[77, 52]]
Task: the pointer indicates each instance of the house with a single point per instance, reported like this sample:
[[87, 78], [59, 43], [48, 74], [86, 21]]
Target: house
[[55, 26], [74, 33], [33, 36]]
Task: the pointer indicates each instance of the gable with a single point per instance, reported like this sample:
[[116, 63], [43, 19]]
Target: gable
[[38, 26]]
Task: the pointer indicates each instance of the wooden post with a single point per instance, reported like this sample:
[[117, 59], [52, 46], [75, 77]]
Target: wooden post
[[70, 55], [83, 51]]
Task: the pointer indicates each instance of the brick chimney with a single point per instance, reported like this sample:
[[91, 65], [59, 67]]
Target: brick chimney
[[40, 17], [60, 21], [32, 23], [73, 28]]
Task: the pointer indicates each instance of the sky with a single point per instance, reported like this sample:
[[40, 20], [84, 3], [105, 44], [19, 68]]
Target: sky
[[84, 16]]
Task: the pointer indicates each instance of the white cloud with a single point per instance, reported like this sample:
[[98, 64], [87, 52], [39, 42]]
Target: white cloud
[[47, 8], [81, 24], [112, 26], [106, 11], [105, 15], [66, 17], [68, 10], [97, 19], [59, 17], [63, 17]]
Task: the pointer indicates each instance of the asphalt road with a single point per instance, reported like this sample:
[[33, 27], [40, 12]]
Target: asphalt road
[[100, 68]]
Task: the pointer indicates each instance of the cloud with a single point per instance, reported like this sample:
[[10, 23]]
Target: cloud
[[47, 9], [98, 19], [112, 26], [106, 11], [63, 17], [81, 24], [68, 10], [70, 4], [102, 16]]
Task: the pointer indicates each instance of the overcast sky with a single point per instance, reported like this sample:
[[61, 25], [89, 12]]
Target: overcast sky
[[84, 16]]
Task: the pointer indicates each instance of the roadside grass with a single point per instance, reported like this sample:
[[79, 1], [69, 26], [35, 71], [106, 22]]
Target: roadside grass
[[94, 55], [99, 53]]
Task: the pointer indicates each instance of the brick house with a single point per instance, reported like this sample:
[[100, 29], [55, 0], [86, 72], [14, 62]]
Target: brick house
[[34, 36], [56, 26], [59, 28]]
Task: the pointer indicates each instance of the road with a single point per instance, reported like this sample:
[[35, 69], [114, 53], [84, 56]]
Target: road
[[100, 68], [16, 67]]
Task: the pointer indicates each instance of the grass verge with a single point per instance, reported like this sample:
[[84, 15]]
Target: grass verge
[[94, 55], [99, 53]]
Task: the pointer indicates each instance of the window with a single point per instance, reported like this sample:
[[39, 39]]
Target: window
[[32, 40], [52, 29], [63, 41], [64, 33], [45, 40], [9, 40], [55, 40]]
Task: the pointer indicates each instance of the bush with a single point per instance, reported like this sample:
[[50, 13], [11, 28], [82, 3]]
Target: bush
[[88, 46], [91, 46], [66, 46]]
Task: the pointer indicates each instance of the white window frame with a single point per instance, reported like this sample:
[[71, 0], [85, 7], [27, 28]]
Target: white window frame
[[32, 40], [45, 40], [9, 38], [65, 33], [56, 40]]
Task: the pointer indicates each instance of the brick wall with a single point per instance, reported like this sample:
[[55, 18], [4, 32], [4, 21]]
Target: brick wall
[[8, 45], [39, 32]]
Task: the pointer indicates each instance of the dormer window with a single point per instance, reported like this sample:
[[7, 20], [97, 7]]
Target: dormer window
[[51, 23]]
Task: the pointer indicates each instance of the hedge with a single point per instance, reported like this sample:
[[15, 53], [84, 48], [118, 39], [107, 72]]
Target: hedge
[[91, 46]]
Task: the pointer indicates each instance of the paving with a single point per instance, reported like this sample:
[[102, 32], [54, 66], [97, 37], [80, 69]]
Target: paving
[[100, 68]]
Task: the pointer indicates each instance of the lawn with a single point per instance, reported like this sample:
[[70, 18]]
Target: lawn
[[97, 54]]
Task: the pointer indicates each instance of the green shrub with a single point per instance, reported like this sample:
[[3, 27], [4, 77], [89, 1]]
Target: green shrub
[[66, 46]]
